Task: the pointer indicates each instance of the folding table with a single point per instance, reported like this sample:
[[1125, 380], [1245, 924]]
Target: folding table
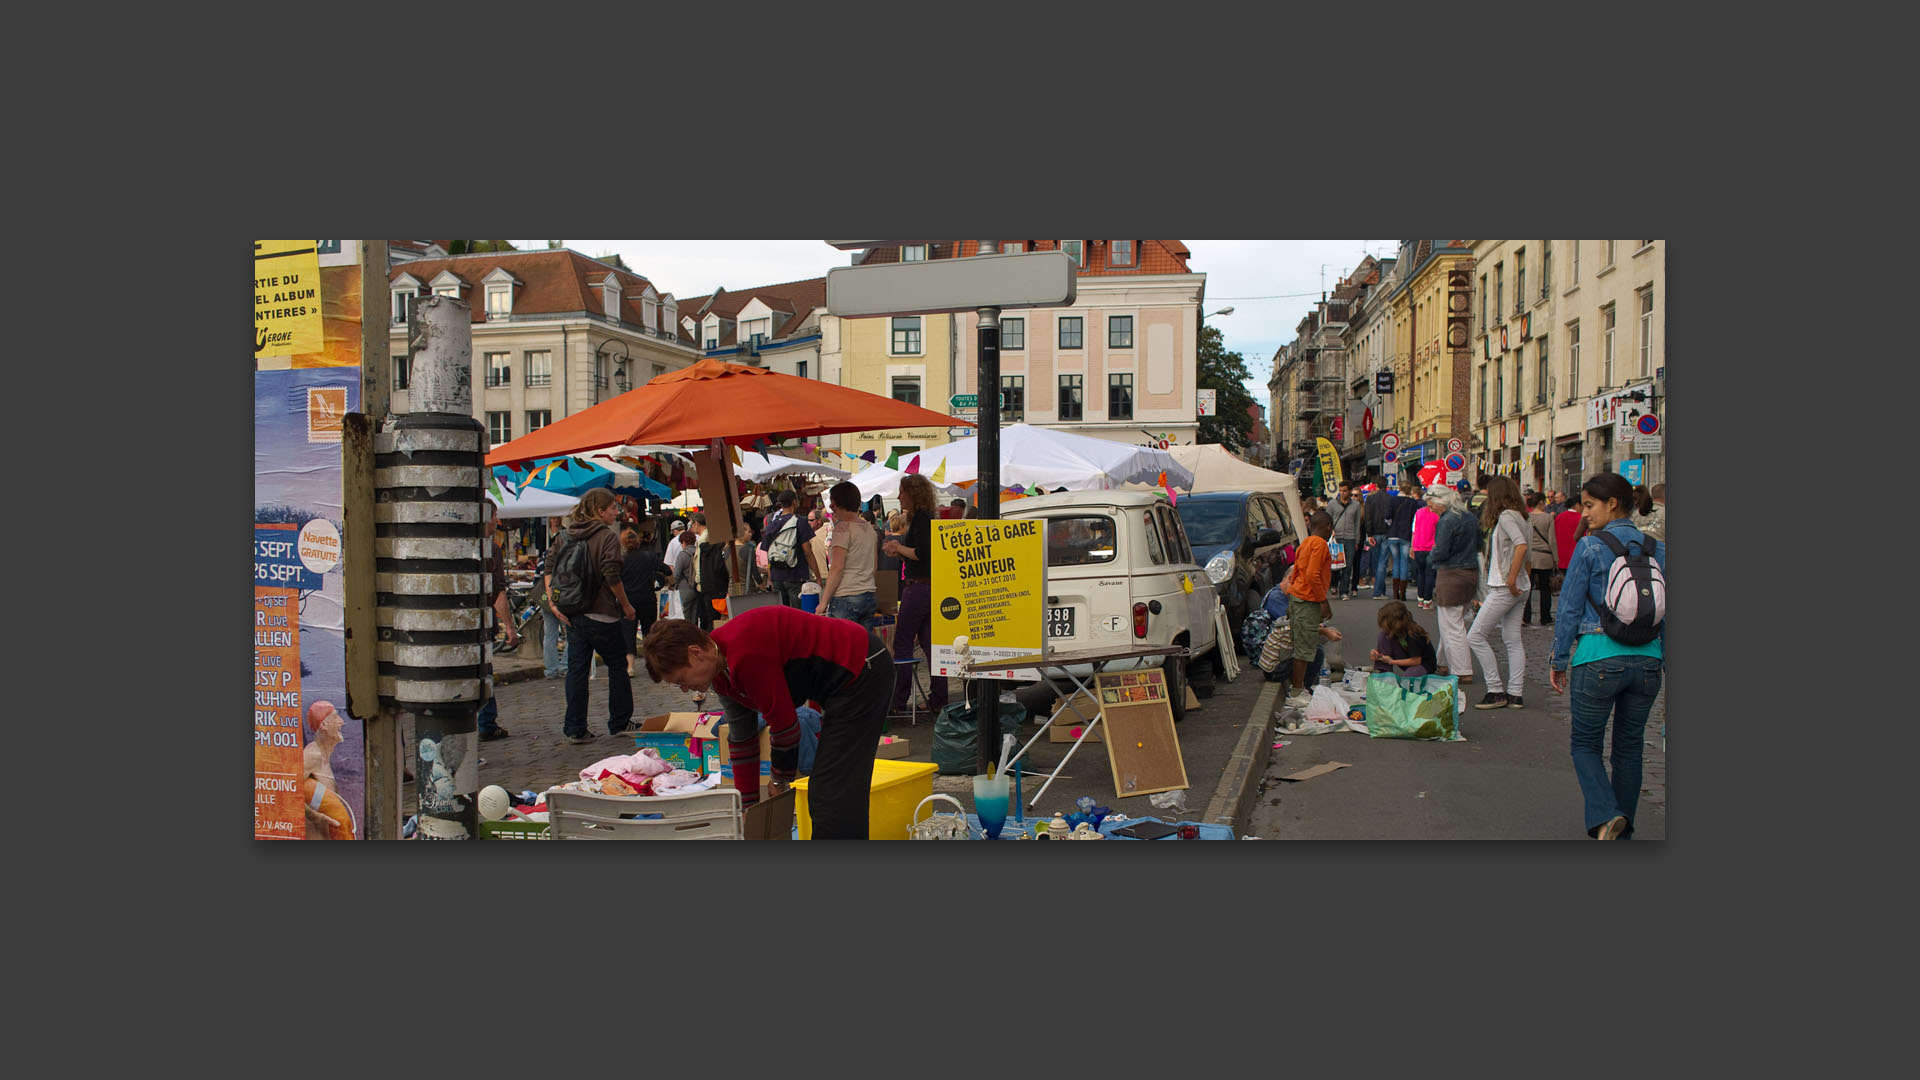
[[1054, 663]]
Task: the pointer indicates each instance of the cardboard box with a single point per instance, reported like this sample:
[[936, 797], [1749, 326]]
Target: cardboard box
[[892, 746], [674, 737], [713, 732], [1065, 725], [886, 592], [770, 818]]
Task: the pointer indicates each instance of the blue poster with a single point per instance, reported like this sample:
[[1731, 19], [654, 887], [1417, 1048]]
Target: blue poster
[[1631, 470], [309, 751]]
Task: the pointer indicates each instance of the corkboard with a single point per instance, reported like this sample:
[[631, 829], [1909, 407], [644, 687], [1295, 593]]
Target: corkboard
[[1141, 744]]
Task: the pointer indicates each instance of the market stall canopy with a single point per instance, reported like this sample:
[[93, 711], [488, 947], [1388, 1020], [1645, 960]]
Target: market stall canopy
[[736, 403], [1215, 469], [533, 502], [1049, 458], [880, 480], [766, 466]]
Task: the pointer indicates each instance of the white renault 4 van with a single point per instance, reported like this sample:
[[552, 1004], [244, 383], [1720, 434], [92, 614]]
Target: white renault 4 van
[[1120, 573]]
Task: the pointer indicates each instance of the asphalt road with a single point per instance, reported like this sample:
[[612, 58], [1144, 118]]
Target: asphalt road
[[1511, 779]]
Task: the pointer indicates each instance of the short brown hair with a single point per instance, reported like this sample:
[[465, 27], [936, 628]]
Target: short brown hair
[[667, 645], [629, 540]]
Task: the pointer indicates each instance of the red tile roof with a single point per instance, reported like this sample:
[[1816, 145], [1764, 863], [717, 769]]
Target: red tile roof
[[797, 298], [551, 282]]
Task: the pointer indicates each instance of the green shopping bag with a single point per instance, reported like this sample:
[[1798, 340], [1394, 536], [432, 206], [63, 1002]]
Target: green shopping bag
[[1426, 707]]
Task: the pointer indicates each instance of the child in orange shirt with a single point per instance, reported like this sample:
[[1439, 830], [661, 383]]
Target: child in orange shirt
[[1307, 600]]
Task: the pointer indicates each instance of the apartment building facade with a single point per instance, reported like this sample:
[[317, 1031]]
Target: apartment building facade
[[554, 332], [1430, 313]]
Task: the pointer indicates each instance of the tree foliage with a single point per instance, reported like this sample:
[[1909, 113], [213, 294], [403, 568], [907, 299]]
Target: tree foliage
[[1225, 373]]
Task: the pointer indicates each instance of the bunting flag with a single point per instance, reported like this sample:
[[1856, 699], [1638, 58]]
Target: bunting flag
[[940, 474], [893, 459], [914, 465], [760, 447], [493, 485], [733, 455]]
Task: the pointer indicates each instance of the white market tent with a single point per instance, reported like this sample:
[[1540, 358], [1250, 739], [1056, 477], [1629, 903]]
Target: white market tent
[[533, 502], [879, 480], [1216, 469], [761, 467], [1049, 458]]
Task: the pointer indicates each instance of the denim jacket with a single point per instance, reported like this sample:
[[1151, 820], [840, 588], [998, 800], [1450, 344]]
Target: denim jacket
[[1455, 542], [1585, 591]]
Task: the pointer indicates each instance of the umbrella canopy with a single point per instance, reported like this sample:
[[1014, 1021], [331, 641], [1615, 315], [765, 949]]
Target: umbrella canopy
[[1048, 458], [714, 400]]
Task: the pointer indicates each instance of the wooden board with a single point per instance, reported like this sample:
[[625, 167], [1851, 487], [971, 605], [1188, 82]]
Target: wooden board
[[1065, 724], [1141, 744]]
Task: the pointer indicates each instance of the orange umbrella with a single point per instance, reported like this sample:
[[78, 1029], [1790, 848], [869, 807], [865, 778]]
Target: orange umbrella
[[715, 400]]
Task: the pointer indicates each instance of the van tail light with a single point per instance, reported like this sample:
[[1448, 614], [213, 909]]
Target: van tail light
[[1140, 620]]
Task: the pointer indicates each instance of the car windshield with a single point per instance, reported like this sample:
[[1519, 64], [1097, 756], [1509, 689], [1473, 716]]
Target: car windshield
[[1216, 521], [1077, 541]]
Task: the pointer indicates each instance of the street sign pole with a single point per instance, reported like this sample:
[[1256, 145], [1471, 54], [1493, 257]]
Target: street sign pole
[[986, 692]]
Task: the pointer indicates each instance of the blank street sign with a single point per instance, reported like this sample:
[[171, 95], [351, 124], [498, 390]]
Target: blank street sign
[[1023, 280]]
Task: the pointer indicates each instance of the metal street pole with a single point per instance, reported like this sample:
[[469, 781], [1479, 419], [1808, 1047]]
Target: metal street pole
[[986, 692], [431, 551]]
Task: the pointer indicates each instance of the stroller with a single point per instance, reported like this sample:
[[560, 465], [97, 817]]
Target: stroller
[[525, 607]]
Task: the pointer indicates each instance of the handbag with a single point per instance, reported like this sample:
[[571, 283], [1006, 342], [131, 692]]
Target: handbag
[[1339, 553], [1425, 707]]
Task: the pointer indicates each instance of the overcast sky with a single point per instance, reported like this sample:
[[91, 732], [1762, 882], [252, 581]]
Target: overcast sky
[[1270, 284]]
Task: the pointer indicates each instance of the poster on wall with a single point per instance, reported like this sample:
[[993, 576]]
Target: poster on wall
[[309, 752]]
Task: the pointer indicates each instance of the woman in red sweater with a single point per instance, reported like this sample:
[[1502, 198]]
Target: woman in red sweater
[[767, 662]]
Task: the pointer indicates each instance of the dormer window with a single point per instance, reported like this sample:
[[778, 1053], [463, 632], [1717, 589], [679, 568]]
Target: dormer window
[[500, 285], [406, 289], [446, 284], [1076, 251], [913, 253], [1119, 253], [755, 330], [610, 296], [649, 312]]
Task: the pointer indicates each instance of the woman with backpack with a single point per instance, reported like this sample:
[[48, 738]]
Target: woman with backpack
[[1608, 650]]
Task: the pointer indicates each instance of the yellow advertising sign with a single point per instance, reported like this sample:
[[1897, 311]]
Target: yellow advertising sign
[[1329, 466], [286, 297], [989, 593]]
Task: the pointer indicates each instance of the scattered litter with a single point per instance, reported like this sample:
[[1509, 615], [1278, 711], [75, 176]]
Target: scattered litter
[[1279, 746], [1175, 800], [1317, 770], [1423, 795]]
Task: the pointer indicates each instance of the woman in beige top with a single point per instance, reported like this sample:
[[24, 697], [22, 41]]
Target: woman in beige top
[[851, 554]]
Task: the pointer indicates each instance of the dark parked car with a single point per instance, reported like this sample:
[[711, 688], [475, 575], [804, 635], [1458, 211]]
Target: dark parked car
[[1238, 537]]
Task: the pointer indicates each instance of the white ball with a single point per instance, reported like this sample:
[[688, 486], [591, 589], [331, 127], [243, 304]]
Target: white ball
[[494, 802]]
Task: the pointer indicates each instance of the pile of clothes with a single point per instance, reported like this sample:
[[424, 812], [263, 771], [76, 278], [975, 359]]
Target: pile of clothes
[[644, 773]]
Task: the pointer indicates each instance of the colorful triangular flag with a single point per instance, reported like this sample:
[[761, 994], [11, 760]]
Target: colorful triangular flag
[[760, 447], [733, 455], [914, 465], [493, 485], [893, 459], [868, 457], [940, 474]]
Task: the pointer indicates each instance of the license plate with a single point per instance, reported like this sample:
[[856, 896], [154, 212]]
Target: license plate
[[1060, 622]]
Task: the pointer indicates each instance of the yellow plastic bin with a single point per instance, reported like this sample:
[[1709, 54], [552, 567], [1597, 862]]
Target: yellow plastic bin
[[898, 787]]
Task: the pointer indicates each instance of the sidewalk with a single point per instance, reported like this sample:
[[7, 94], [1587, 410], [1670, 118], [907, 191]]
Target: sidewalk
[[1223, 744]]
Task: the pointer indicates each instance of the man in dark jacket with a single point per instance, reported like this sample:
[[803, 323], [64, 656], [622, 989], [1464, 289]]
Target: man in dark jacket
[[1377, 517], [1400, 539], [597, 629]]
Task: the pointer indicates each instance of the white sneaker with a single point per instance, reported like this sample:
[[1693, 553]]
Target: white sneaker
[[1298, 700]]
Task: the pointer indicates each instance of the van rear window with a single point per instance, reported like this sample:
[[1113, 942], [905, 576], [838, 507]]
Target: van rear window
[[1080, 541]]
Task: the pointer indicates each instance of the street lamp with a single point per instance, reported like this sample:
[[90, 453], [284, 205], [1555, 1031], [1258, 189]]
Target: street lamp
[[1222, 311], [620, 382]]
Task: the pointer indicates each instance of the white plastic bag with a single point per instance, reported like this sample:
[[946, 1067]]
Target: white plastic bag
[[1326, 707], [1175, 800]]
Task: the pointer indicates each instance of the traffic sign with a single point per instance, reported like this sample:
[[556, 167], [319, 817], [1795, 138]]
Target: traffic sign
[[964, 401], [1454, 447], [1389, 441], [1455, 462], [1648, 424], [1390, 456], [960, 432], [1647, 444], [1023, 280]]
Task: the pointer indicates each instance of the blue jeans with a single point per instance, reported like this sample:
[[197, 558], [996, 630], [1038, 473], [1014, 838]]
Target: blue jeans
[[489, 718], [859, 607], [587, 637], [1391, 562], [1344, 577], [550, 644], [1424, 574], [1623, 687]]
